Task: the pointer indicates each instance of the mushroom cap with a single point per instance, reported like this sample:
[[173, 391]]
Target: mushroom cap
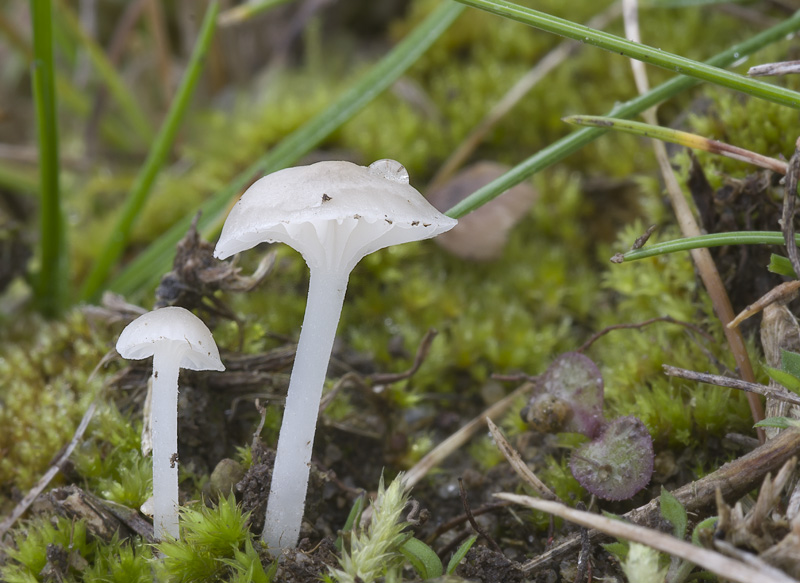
[[333, 213], [172, 329]]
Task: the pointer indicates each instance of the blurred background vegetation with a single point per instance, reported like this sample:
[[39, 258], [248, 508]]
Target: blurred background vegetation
[[268, 69]]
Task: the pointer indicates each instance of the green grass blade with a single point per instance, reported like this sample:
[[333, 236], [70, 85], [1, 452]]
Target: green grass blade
[[679, 137], [141, 188], [50, 285], [640, 52], [559, 150], [149, 265], [248, 10], [136, 118], [714, 240]]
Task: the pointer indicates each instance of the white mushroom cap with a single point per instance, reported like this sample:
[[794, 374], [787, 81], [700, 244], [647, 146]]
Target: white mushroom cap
[[370, 207], [175, 330]]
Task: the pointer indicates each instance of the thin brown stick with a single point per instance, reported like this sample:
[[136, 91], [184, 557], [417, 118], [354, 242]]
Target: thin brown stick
[[789, 199], [733, 479], [476, 527], [667, 319], [25, 503], [439, 453], [422, 353], [689, 228], [518, 464], [721, 381], [784, 292], [462, 518], [730, 569], [527, 82]]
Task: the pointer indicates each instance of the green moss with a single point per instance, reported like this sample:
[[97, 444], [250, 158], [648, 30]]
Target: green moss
[[121, 562], [28, 556], [111, 461], [216, 545], [46, 368], [675, 412]]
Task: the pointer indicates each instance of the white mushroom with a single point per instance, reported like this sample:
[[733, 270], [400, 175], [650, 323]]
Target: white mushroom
[[333, 213], [176, 339]]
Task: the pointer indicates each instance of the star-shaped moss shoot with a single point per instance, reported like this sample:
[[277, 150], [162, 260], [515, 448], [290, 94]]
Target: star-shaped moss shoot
[[334, 214]]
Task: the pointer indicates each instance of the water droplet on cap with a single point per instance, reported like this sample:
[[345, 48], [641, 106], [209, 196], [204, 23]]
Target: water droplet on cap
[[390, 170]]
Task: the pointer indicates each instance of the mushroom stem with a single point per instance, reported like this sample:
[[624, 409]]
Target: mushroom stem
[[165, 444], [292, 462]]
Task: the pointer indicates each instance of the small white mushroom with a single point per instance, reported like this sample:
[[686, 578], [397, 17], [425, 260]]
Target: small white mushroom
[[176, 339], [333, 213]]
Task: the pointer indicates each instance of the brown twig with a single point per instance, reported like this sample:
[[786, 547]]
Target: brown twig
[[461, 518], [782, 293], [471, 518], [706, 267], [422, 353], [721, 381], [439, 453], [733, 479], [25, 503], [518, 464], [740, 571], [789, 199], [667, 319]]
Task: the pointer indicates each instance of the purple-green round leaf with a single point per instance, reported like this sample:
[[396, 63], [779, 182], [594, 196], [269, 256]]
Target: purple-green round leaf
[[575, 379], [618, 463]]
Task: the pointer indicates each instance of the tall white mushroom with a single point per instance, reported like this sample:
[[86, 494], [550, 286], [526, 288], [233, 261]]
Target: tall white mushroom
[[333, 213], [176, 339]]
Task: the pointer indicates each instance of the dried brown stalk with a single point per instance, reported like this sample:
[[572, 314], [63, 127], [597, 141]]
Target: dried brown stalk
[[733, 570], [438, 454], [519, 465], [733, 480], [689, 228]]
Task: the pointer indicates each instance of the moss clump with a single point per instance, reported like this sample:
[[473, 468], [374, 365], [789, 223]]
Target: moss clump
[[46, 368], [111, 461], [216, 546], [38, 537], [676, 413]]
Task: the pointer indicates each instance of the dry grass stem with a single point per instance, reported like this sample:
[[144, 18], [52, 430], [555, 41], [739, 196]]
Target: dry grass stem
[[777, 393], [733, 480], [519, 465], [439, 453], [733, 570], [527, 82], [689, 228], [786, 291]]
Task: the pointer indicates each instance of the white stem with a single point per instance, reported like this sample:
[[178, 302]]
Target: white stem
[[287, 494], [165, 444]]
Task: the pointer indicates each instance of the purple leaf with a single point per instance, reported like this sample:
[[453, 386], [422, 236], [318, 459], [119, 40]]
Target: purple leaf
[[618, 463], [575, 379]]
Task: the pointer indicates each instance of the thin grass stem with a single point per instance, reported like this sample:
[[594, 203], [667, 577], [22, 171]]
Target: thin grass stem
[[703, 241], [570, 144], [678, 137], [142, 186], [640, 52], [50, 288], [148, 267], [135, 116]]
